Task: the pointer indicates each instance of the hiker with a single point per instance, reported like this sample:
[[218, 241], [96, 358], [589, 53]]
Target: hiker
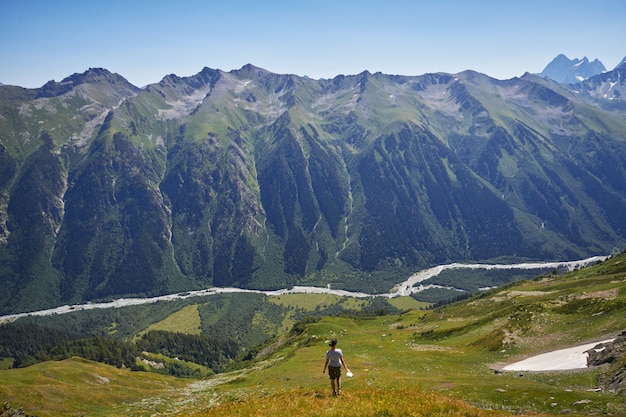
[[334, 360]]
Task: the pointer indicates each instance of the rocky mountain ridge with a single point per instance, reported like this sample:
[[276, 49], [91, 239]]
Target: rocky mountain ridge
[[260, 180]]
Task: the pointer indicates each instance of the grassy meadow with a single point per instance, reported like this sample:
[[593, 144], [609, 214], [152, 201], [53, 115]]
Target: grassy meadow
[[442, 362]]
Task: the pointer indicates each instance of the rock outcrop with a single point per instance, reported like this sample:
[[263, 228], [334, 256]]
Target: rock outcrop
[[613, 355]]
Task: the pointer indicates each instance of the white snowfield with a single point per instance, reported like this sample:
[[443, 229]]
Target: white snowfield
[[558, 360], [405, 288]]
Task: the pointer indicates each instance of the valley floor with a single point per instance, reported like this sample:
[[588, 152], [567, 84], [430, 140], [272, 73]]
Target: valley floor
[[405, 288]]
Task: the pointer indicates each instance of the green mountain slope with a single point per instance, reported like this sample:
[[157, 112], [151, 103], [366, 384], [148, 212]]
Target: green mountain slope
[[420, 362], [260, 180]]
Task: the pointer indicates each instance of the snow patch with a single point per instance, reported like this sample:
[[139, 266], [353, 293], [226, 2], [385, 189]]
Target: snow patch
[[558, 360]]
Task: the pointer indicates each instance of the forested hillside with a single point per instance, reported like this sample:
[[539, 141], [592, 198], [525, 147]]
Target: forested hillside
[[259, 180]]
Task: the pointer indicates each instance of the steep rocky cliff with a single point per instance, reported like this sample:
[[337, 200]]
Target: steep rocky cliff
[[260, 180]]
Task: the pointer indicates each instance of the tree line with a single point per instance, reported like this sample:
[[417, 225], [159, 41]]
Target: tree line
[[29, 343]]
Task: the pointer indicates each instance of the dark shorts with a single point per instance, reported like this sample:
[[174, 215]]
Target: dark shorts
[[334, 372]]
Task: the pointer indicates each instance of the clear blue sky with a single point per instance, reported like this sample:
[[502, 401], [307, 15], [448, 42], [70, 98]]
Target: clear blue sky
[[144, 40]]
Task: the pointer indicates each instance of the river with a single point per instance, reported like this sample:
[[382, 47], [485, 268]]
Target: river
[[405, 288]]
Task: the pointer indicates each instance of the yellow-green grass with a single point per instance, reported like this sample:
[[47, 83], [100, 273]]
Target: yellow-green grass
[[79, 387], [311, 302], [198, 370], [437, 362], [389, 354], [6, 363], [394, 375], [385, 354], [306, 302], [408, 303], [186, 320], [362, 402]]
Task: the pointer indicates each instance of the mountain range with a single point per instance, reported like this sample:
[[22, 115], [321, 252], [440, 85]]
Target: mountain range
[[571, 71], [259, 180]]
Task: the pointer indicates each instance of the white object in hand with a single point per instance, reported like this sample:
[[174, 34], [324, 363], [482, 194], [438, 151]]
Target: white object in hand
[[349, 374]]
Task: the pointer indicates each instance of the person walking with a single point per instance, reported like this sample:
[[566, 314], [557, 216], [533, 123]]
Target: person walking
[[334, 361]]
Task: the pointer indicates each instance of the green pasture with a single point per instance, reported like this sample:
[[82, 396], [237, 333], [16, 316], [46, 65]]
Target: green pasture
[[452, 355]]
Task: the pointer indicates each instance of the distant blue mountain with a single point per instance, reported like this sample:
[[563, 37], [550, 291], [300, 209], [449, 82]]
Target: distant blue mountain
[[571, 71]]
